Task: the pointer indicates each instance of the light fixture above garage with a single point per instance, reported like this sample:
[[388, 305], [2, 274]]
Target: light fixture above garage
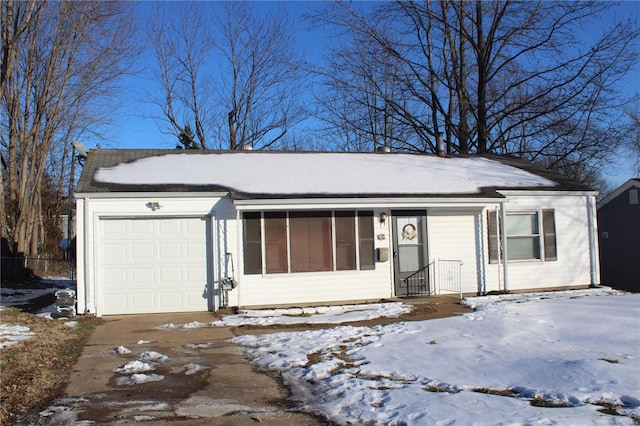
[[383, 217], [153, 205]]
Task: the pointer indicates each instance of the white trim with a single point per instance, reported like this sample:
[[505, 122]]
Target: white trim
[[81, 258], [631, 183], [503, 236], [592, 223], [362, 203], [214, 284], [149, 194], [510, 192]]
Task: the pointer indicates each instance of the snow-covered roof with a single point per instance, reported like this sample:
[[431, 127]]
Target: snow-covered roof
[[288, 174]]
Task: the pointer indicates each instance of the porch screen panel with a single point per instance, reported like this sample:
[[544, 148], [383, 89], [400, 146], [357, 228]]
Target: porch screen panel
[[345, 240], [494, 244], [275, 237], [549, 230], [252, 243], [366, 242], [311, 241]]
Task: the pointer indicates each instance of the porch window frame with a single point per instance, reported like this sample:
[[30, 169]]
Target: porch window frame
[[360, 264], [534, 237], [546, 236]]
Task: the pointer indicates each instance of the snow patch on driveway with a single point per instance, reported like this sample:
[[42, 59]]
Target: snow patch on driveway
[[311, 315]]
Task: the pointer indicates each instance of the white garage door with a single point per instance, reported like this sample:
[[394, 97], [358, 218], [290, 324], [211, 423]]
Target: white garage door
[[153, 265]]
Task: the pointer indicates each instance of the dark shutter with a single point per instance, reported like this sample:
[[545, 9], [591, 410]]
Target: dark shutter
[[549, 230], [366, 242], [345, 240], [493, 243], [252, 243]]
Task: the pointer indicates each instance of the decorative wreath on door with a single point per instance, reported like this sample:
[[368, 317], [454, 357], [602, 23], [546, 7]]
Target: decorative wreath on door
[[409, 232]]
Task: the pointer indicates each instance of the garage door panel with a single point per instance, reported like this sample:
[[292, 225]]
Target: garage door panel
[[172, 226], [114, 228], [115, 276], [113, 252], [169, 251], [142, 227], [168, 300], [142, 252], [116, 301], [196, 275], [142, 303], [170, 275], [194, 228], [153, 265], [195, 251], [141, 276]]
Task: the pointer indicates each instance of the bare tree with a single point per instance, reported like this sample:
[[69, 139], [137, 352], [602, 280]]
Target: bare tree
[[507, 77], [251, 99], [634, 143], [182, 44], [59, 63], [361, 79]]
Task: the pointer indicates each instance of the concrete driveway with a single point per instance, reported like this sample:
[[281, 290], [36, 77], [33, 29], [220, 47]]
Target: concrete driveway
[[228, 391]]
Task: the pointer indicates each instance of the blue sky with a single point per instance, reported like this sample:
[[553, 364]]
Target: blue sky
[[134, 129]]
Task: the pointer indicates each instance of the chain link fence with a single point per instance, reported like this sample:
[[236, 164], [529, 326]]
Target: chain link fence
[[15, 268]]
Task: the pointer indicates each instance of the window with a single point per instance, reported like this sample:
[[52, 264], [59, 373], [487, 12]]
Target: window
[[252, 243], [633, 196], [549, 228], [308, 241], [275, 242], [523, 236], [345, 241], [366, 243], [310, 236], [524, 239]]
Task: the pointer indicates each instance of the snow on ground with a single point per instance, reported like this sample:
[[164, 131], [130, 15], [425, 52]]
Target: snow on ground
[[139, 378], [13, 334], [20, 296], [311, 315], [193, 368], [544, 358], [135, 372], [136, 366]]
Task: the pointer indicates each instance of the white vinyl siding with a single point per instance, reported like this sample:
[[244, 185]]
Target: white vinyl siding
[[320, 287], [452, 236], [572, 267]]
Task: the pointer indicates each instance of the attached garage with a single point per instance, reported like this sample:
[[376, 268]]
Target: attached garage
[[151, 265]]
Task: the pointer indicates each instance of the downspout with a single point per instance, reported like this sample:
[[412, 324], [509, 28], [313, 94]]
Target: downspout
[[503, 235], [593, 241], [80, 262], [238, 244], [89, 229], [499, 245]]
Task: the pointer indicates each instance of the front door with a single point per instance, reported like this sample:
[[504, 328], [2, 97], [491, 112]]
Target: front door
[[410, 252]]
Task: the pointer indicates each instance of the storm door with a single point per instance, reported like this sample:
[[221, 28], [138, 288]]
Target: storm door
[[410, 252]]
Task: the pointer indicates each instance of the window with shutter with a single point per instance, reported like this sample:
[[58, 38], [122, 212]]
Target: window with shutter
[[525, 241]]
